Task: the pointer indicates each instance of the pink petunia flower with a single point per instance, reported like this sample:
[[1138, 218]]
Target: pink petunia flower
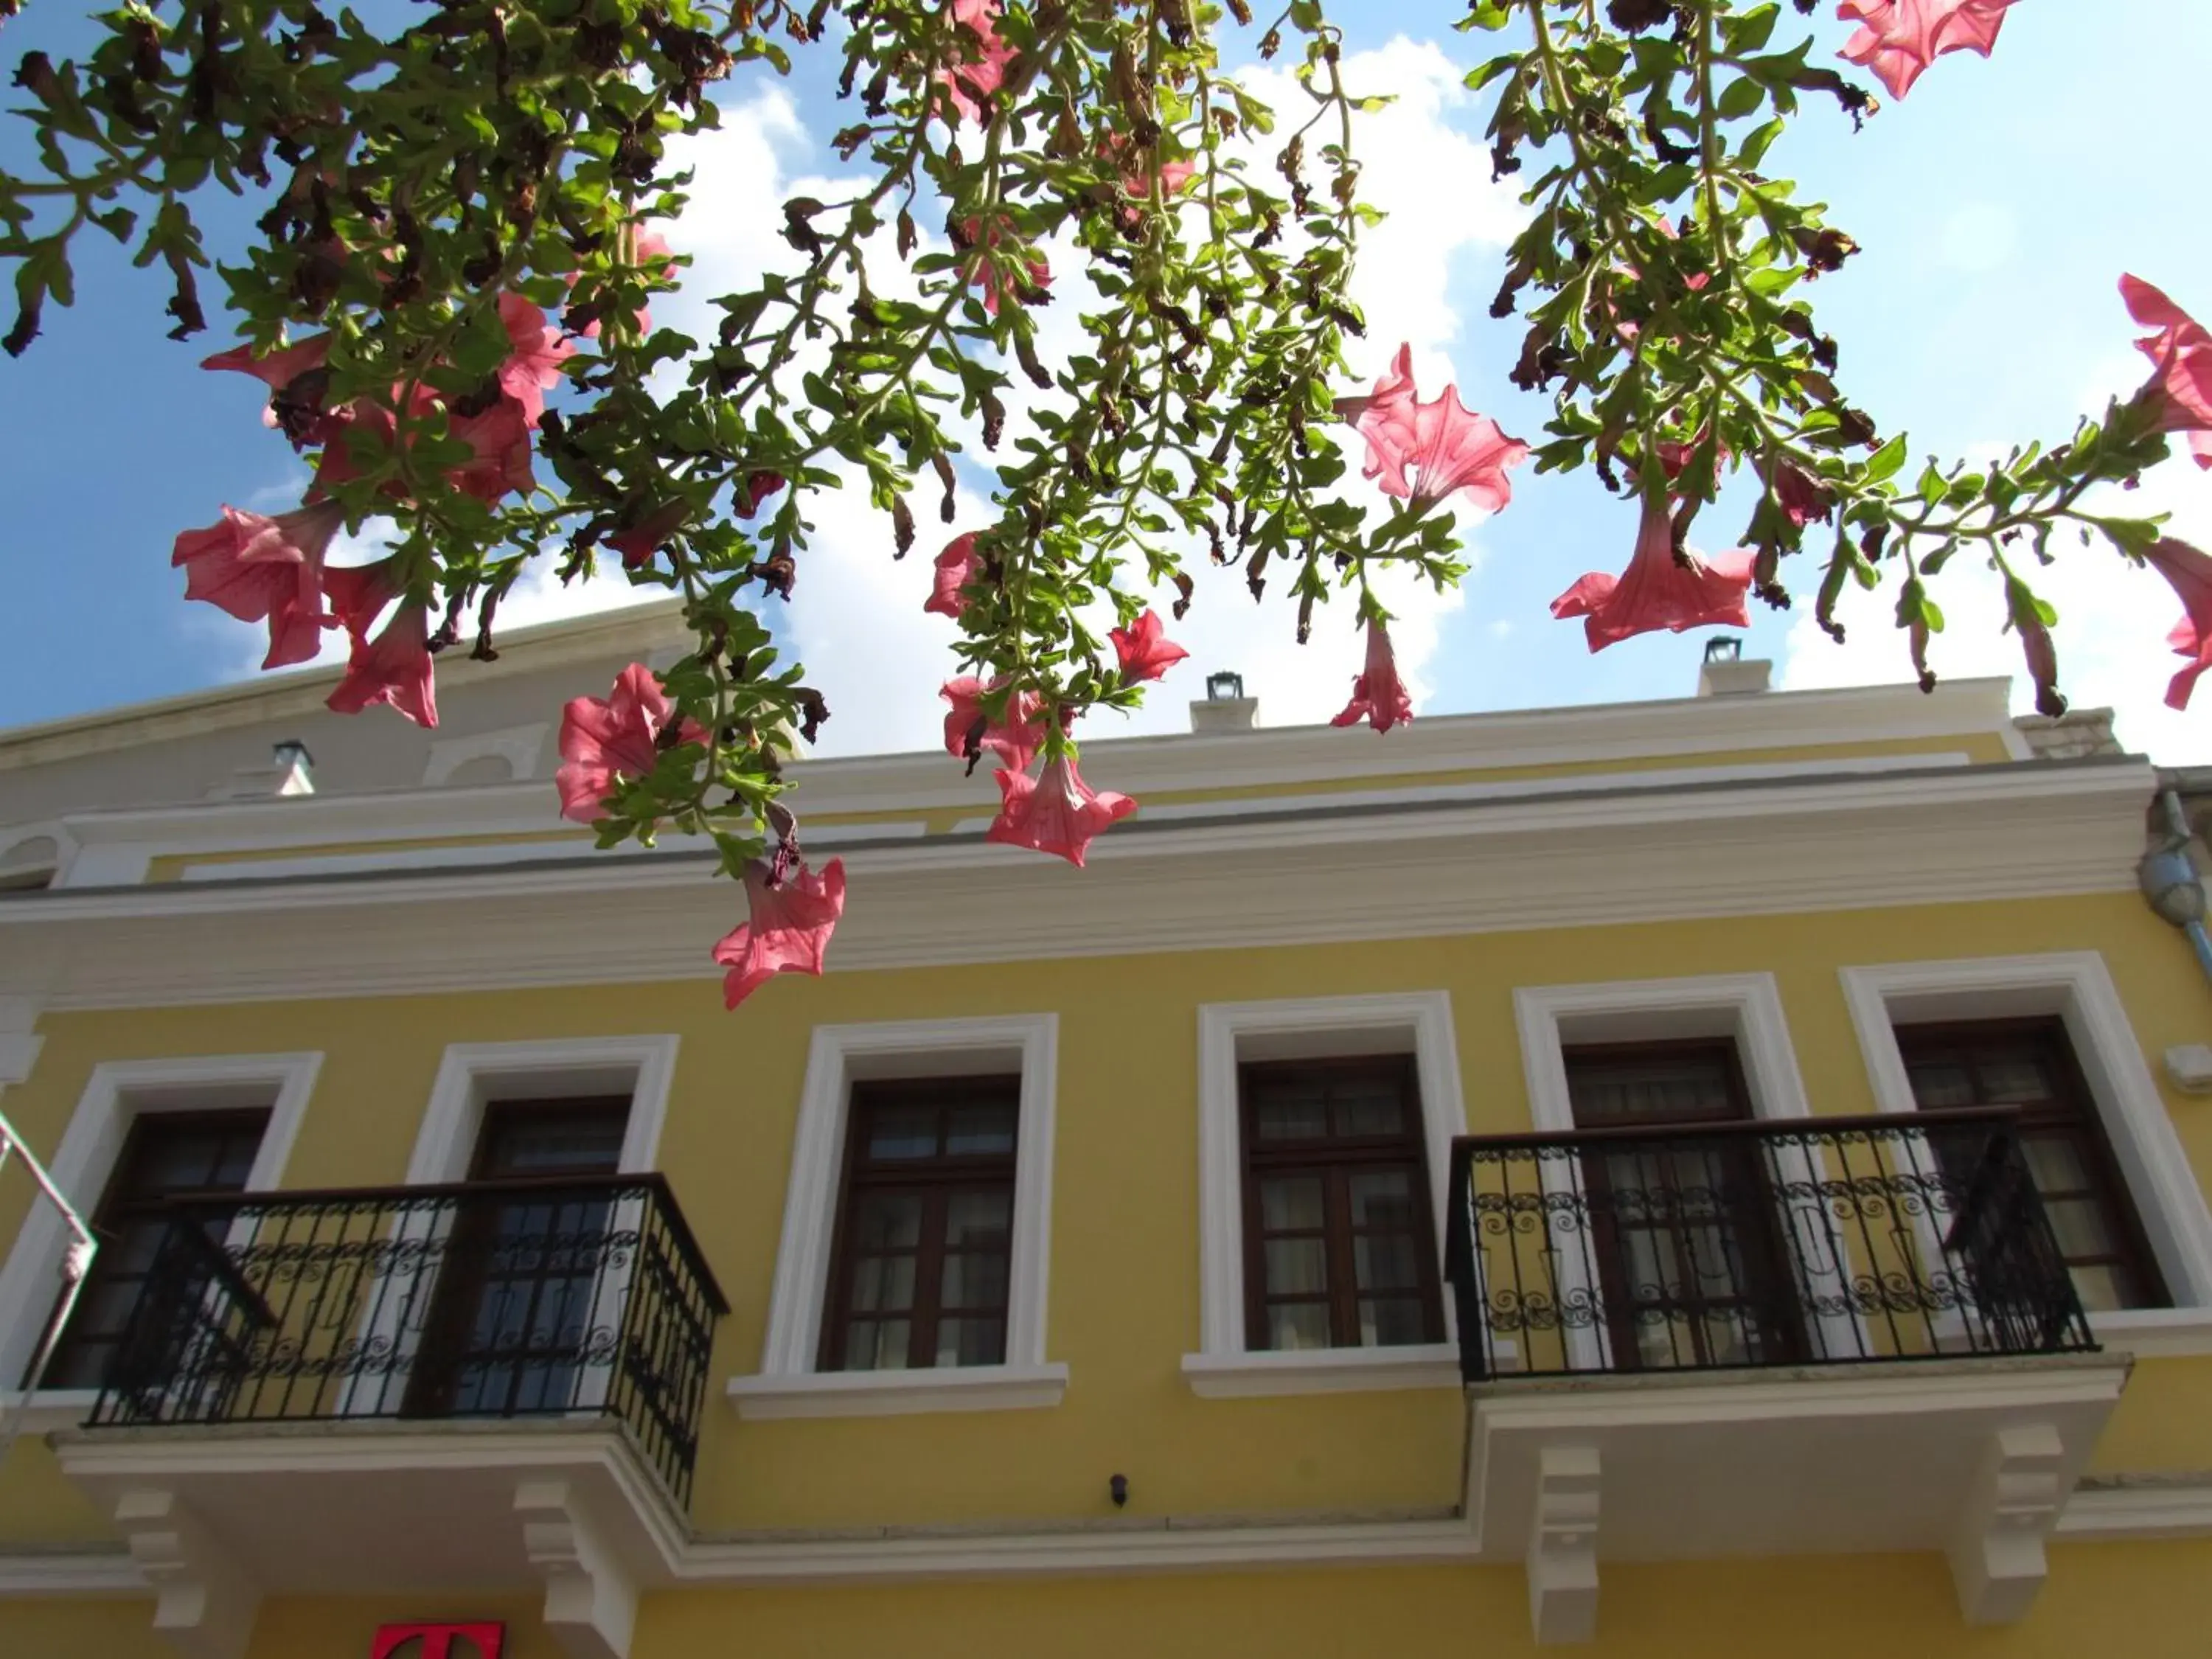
[[1144, 653], [616, 735], [266, 569], [2181, 364], [500, 437], [1054, 813], [1424, 452], [957, 566], [983, 71], [1658, 589], [1898, 38], [394, 668], [1016, 742], [2191, 572], [787, 927], [533, 363], [1378, 696], [996, 293]]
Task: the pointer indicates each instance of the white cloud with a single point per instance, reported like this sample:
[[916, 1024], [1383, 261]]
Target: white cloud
[[2111, 637], [856, 618]]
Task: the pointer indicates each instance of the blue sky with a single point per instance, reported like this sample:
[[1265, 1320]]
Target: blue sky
[[1997, 207]]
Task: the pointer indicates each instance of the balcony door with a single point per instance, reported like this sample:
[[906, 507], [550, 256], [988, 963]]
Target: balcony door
[[1692, 1268], [525, 1315]]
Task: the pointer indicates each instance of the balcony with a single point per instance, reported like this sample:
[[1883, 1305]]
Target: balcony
[[493, 1383], [1798, 1335]]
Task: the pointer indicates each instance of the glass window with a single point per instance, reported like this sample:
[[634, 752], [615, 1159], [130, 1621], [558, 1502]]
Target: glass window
[[1341, 1251], [2028, 1065], [166, 1155], [924, 1252]]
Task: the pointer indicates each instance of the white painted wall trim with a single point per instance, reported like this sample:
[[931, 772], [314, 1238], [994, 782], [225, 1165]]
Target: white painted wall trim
[[1746, 1007], [2077, 986], [472, 1075], [118, 1092], [519, 746], [899, 1394], [1327, 1370], [1418, 1023], [838, 1055]]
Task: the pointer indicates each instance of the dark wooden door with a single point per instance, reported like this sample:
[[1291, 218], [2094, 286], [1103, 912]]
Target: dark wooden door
[[1692, 1265], [522, 1304]]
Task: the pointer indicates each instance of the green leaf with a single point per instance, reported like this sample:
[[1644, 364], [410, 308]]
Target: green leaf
[[1885, 462], [1740, 98]]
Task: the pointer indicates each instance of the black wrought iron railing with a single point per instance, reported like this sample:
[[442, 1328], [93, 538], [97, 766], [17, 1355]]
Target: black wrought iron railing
[[1797, 1242], [491, 1299]]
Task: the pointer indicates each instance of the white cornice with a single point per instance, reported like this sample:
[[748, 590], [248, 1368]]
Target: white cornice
[[2104, 1511], [2028, 830], [633, 628]]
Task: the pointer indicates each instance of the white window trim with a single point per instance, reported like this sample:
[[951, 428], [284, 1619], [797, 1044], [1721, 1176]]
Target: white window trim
[[117, 1093], [474, 1074], [1224, 1368], [2077, 985], [1744, 1007], [788, 1385]]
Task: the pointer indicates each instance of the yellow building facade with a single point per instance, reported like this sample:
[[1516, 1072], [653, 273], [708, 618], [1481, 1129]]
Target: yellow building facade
[[1711, 1176]]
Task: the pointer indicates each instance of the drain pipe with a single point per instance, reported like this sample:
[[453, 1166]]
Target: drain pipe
[[2170, 881]]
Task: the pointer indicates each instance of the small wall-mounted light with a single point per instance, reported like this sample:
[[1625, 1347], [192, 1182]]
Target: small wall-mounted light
[[1224, 687], [1117, 1486]]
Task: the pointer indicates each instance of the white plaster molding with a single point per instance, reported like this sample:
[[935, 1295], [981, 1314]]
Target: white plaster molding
[[204, 1602], [70, 1574], [1562, 1561], [2188, 1067], [472, 1075], [116, 1092], [1305, 876], [899, 1394], [1417, 1023], [1321, 1370], [591, 1595], [1027, 1043], [1998, 1561], [2077, 986], [20, 1042], [519, 746], [2111, 1509]]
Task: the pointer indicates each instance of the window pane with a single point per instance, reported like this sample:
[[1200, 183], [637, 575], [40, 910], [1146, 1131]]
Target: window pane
[[1297, 1326], [1290, 1114], [2105, 1289], [2079, 1224], [2055, 1163], [1382, 1198], [897, 1132], [882, 1283], [888, 1221], [2007, 1078], [974, 1280], [977, 1218], [875, 1345], [972, 1341], [1391, 1323], [1387, 1261], [1297, 1266], [1291, 1202], [1941, 1084], [978, 1130], [1370, 1109]]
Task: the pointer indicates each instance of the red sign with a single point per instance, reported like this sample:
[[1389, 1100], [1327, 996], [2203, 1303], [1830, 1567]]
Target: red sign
[[464, 1641]]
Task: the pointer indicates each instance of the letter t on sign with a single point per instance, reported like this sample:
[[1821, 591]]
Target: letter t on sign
[[439, 1641]]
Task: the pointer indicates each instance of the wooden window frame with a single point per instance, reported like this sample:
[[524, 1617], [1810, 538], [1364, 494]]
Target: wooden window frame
[[112, 1205], [2079, 1117], [1335, 1159], [933, 1178]]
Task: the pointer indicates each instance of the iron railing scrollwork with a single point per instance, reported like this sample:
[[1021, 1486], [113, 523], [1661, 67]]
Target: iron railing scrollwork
[[1790, 1241], [488, 1299]]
